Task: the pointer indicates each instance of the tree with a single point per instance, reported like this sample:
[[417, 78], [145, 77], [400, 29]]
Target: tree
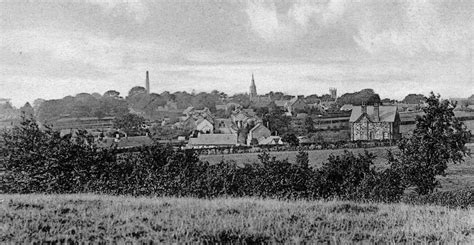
[[291, 139], [365, 96], [112, 93], [277, 121], [309, 124], [438, 139], [130, 123], [136, 90], [414, 99]]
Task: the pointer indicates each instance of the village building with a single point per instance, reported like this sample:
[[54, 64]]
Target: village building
[[259, 132], [296, 104], [374, 123], [258, 101], [271, 140], [213, 140], [224, 126], [205, 126], [346, 107]]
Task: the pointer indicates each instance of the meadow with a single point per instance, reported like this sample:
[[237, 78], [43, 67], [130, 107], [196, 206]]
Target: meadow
[[97, 218]]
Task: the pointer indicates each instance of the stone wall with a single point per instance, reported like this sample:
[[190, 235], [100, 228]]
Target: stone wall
[[366, 130]]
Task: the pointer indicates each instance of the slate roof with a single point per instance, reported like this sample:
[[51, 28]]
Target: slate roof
[[214, 139], [386, 113], [240, 117], [281, 103], [188, 110]]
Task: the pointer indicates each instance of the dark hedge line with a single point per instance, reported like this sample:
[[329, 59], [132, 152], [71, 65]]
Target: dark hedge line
[[40, 161]]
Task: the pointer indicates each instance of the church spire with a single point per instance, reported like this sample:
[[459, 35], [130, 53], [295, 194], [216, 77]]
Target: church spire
[[253, 89]]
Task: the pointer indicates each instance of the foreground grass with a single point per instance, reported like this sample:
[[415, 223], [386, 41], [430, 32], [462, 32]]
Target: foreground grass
[[30, 218]]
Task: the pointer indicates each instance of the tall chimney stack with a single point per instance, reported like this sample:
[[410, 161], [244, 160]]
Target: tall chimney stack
[[376, 112], [147, 83]]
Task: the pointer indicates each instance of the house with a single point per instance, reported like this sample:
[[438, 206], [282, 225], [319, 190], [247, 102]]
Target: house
[[259, 132], [224, 126], [295, 104], [189, 123], [204, 125], [188, 111], [374, 122], [281, 103], [272, 140], [346, 107], [213, 140]]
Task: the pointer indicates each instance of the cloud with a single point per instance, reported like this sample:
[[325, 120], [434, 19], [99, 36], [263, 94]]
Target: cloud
[[136, 9], [103, 52], [292, 24], [421, 29]]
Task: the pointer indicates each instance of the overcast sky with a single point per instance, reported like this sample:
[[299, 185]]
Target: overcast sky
[[50, 49]]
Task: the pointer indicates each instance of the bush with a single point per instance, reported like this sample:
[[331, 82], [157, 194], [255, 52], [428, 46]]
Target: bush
[[353, 177]]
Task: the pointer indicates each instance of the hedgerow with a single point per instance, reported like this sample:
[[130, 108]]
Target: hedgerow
[[40, 161]]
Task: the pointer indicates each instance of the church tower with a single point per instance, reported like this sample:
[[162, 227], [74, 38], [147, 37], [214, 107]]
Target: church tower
[[147, 83], [253, 90]]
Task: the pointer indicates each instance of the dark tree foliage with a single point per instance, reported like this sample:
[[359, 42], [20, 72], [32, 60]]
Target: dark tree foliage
[[277, 121], [414, 99], [309, 124], [40, 161], [131, 124], [112, 93], [365, 96], [353, 177], [291, 139], [136, 90], [81, 105], [438, 139]]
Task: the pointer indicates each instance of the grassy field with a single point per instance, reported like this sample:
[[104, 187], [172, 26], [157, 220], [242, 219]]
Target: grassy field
[[458, 176], [94, 218]]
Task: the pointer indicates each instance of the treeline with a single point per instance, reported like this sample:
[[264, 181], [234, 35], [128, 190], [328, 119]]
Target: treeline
[[365, 96], [82, 105]]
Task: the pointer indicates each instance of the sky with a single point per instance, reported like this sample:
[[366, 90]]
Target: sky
[[50, 49]]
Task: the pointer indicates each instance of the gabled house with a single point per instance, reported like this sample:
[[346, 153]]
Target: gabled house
[[271, 140], [374, 123], [296, 104], [259, 132], [224, 126], [205, 126]]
